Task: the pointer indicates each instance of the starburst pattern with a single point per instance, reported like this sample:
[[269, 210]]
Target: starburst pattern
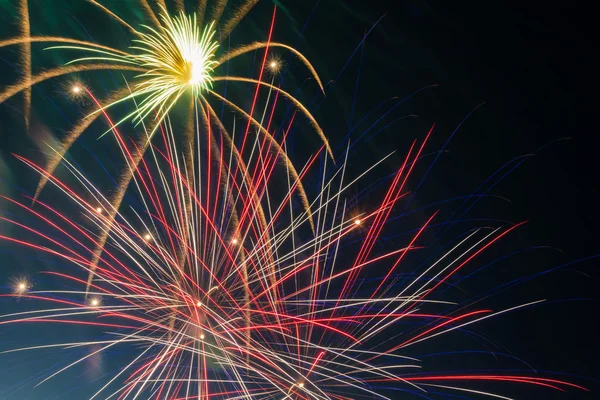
[[176, 57]]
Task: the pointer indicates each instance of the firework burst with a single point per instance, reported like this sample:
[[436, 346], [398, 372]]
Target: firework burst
[[225, 282], [176, 58], [225, 291]]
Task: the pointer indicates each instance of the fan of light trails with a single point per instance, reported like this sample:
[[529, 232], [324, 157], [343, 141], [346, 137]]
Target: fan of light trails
[[226, 291]]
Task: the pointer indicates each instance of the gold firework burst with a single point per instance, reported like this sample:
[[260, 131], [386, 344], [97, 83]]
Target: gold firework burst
[[176, 57]]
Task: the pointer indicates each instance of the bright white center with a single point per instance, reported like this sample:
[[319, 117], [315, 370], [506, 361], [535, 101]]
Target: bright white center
[[196, 74]]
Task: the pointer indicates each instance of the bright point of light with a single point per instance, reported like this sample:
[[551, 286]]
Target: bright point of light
[[274, 65], [147, 236], [357, 222], [95, 302], [99, 210], [199, 304], [202, 336], [234, 241], [21, 286], [301, 384], [76, 89]]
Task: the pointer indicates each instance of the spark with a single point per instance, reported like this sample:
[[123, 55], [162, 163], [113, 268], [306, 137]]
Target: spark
[[76, 89], [357, 222], [21, 288], [147, 237], [275, 64], [95, 301], [21, 285]]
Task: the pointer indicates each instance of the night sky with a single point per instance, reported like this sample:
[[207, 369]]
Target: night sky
[[506, 74]]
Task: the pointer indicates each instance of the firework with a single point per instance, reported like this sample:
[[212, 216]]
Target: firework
[[175, 61], [225, 290], [224, 283], [21, 285]]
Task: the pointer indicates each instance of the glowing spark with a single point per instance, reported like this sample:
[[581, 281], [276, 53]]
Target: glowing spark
[[99, 210], [21, 286], [95, 302], [234, 241], [202, 336], [357, 222], [274, 64], [147, 237], [76, 89]]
